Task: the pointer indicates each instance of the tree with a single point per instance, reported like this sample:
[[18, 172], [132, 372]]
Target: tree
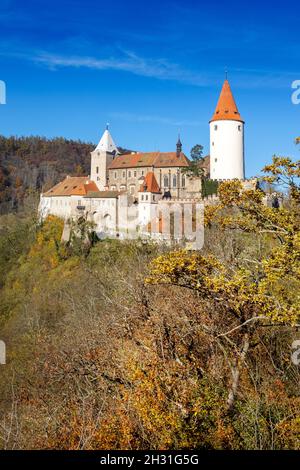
[[197, 152], [255, 293], [194, 169]]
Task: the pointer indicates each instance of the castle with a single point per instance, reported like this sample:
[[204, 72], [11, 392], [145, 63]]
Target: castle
[[124, 192]]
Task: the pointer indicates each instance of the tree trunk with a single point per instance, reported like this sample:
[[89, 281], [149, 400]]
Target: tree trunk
[[236, 372]]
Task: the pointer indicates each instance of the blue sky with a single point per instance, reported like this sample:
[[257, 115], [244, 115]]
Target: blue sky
[[150, 69]]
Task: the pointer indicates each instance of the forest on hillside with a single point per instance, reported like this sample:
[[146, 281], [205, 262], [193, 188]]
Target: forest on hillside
[[131, 345], [29, 165]]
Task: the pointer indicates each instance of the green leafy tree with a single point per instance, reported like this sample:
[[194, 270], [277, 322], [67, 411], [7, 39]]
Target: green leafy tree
[[194, 169]]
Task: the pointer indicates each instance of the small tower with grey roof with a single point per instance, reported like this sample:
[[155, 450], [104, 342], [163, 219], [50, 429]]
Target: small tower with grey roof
[[101, 158]]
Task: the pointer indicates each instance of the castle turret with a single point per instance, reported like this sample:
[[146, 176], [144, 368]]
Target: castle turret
[[226, 139], [101, 158], [148, 197], [178, 147]]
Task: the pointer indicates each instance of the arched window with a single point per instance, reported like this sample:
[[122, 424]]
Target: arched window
[[183, 181], [174, 181], [166, 181]]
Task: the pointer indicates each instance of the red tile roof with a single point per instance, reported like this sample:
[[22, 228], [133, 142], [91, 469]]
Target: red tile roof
[[226, 108], [144, 159], [73, 186], [150, 184]]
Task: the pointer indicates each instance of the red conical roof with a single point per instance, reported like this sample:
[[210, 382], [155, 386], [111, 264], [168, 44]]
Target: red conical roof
[[150, 184], [226, 108]]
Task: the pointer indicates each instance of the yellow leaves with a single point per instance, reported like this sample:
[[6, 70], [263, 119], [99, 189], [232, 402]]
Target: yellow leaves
[[289, 432], [283, 170], [47, 246], [229, 192], [276, 293], [182, 268]]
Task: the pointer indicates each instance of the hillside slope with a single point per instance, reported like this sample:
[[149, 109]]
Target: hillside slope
[[35, 163]]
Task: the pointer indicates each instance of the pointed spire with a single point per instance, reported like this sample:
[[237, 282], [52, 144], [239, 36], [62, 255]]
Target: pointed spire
[[150, 184], [226, 108], [106, 143], [178, 146]]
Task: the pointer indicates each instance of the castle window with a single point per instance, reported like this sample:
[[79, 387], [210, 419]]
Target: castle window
[[124, 174], [142, 197], [142, 173], [166, 181], [97, 169], [115, 175], [216, 128], [153, 197], [134, 174], [174, 181], [212, 143], [129, 174], [216, 159], [146, 197], [183, 181], [239, 128]]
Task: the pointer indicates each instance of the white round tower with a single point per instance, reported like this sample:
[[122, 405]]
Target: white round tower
[[226, 139]]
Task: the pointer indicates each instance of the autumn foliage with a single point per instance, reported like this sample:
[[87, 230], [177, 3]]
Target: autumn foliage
[[130, 345]]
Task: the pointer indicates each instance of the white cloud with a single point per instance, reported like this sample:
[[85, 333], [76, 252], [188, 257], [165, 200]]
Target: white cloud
[[129, 62]]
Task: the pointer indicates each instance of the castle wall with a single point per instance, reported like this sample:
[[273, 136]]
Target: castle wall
[[169, 179]]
